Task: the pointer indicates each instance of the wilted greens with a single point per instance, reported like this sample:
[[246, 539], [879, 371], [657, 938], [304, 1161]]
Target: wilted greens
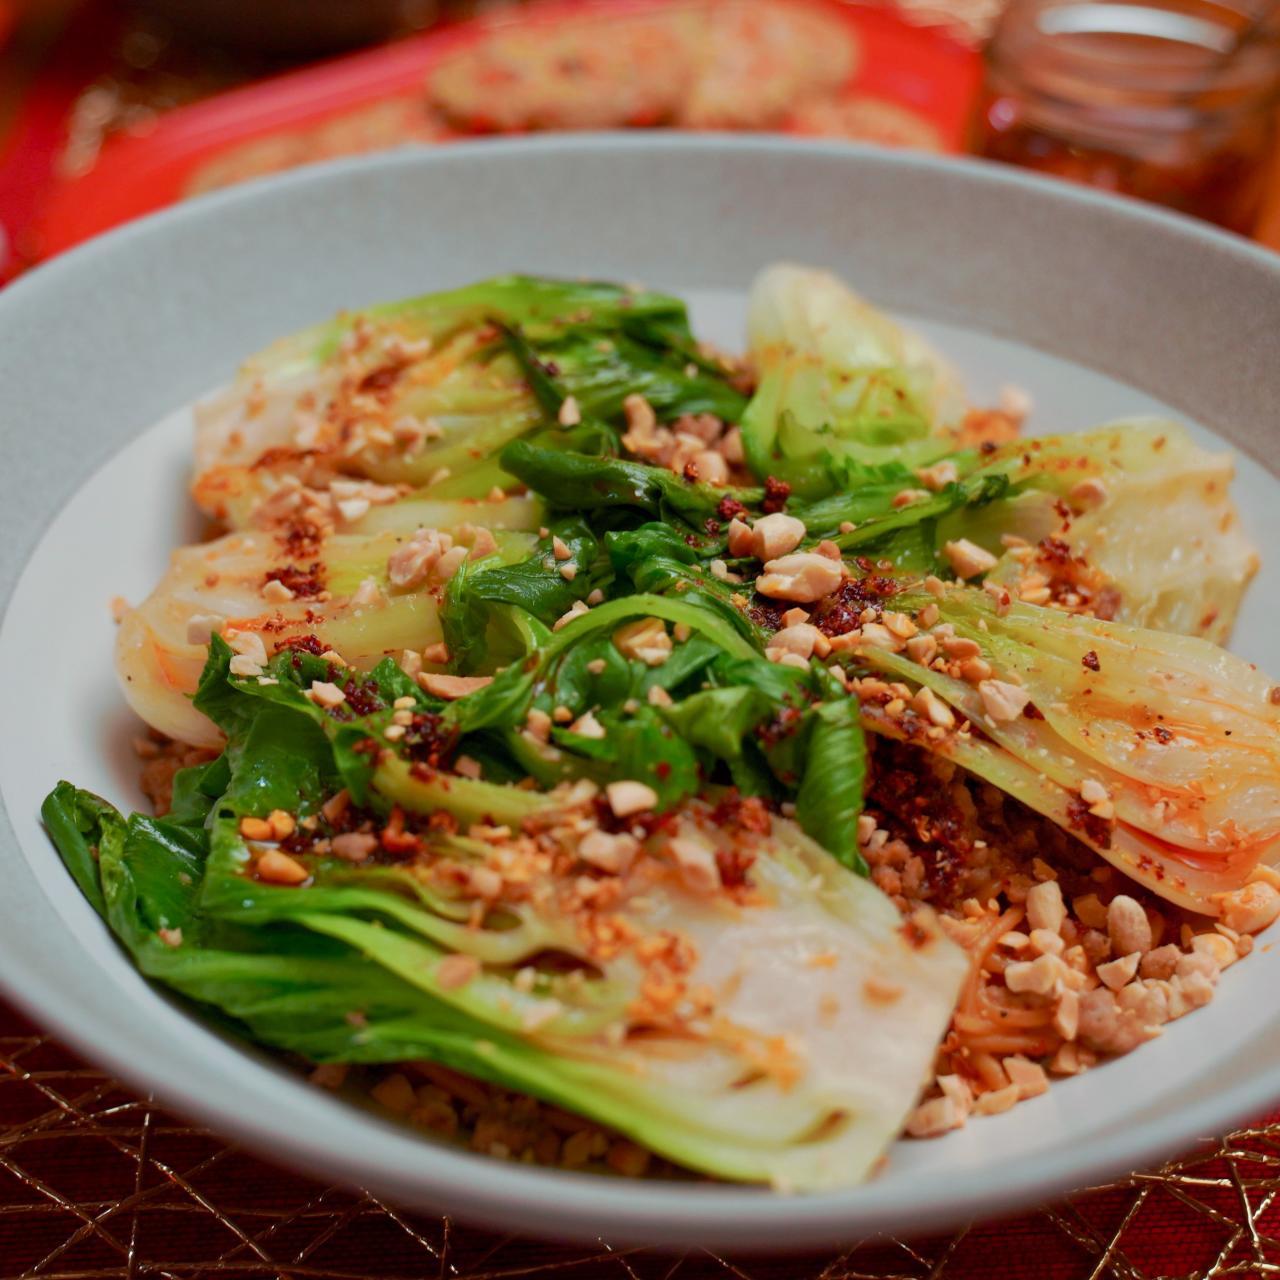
[[542, 668]]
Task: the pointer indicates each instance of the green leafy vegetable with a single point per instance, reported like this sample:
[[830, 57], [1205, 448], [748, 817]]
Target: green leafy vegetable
[[546, 763], [842, 388], [382, 960]]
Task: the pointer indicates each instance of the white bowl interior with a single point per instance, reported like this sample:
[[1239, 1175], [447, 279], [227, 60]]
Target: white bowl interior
[[65, 718]]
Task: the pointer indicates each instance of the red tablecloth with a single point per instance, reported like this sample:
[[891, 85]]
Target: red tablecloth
[[96, 1184]]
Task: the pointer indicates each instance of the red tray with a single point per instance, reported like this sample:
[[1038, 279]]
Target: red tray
[[923, 71]]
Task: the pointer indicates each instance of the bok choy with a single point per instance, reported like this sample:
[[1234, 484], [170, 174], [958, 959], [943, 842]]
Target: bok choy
[[698, 975], [550, 658]]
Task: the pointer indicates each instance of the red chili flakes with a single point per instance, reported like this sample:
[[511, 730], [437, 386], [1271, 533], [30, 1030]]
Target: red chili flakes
[[302, 539], [841, 611], [917, 936], [776, 493], [648, 822], [428, 741], [305, 644], [1098, 830], [304, 583], [767, 613], [1055, 550], [748, 813], [1032, 712], [1090, 661], [443, 823], [363, 695], [691, 471], [730, 508], [733, 864], [663, 770], [1162, 735], [753, 815], [273, 457], [1107, 604], [380, 382], [395, 839], [783, 725]]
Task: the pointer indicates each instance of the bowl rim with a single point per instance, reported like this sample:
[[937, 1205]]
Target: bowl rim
[[554, 1202]]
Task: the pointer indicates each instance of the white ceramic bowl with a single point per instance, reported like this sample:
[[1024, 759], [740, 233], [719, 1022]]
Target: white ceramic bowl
[[1097, 306]]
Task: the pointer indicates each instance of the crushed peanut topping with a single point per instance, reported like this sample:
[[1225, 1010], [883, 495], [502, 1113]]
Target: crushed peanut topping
[[451, 687], [967, 559], [628, 797], [646, 640]]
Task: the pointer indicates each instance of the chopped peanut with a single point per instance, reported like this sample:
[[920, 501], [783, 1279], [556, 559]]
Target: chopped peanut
[[1128, 926], [939, 475], [587, 726], [353, 846], [776, 534], [1251, 908], [1093, 792], [249, 644], [1066, 1016], [279, 868], [327, 695], [929, 705], [922, 649], [960, 647], [998, 1100], [1036, 976], [282, 824], [456, 971], [575, 610], [709, 467], [1045, 908], [1028, 1076], [1161, 962], [803, 576], [395, 1093], [967, 559], [1089, 911], [1089, 493], [697, 863], [1220, 950], [934, 1117], [610, 852], [256, 829], [628, 797], [645, 640], [451, 687], [1119, 973], [201, 627], [1003, 701], [799, 638], [741, 539]]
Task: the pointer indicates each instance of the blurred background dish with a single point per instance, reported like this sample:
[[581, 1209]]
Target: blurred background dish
[[290, 27], [110, 109], [172, 105]]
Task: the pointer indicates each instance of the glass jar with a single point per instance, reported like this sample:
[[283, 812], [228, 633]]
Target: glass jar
[[1174, 101]]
